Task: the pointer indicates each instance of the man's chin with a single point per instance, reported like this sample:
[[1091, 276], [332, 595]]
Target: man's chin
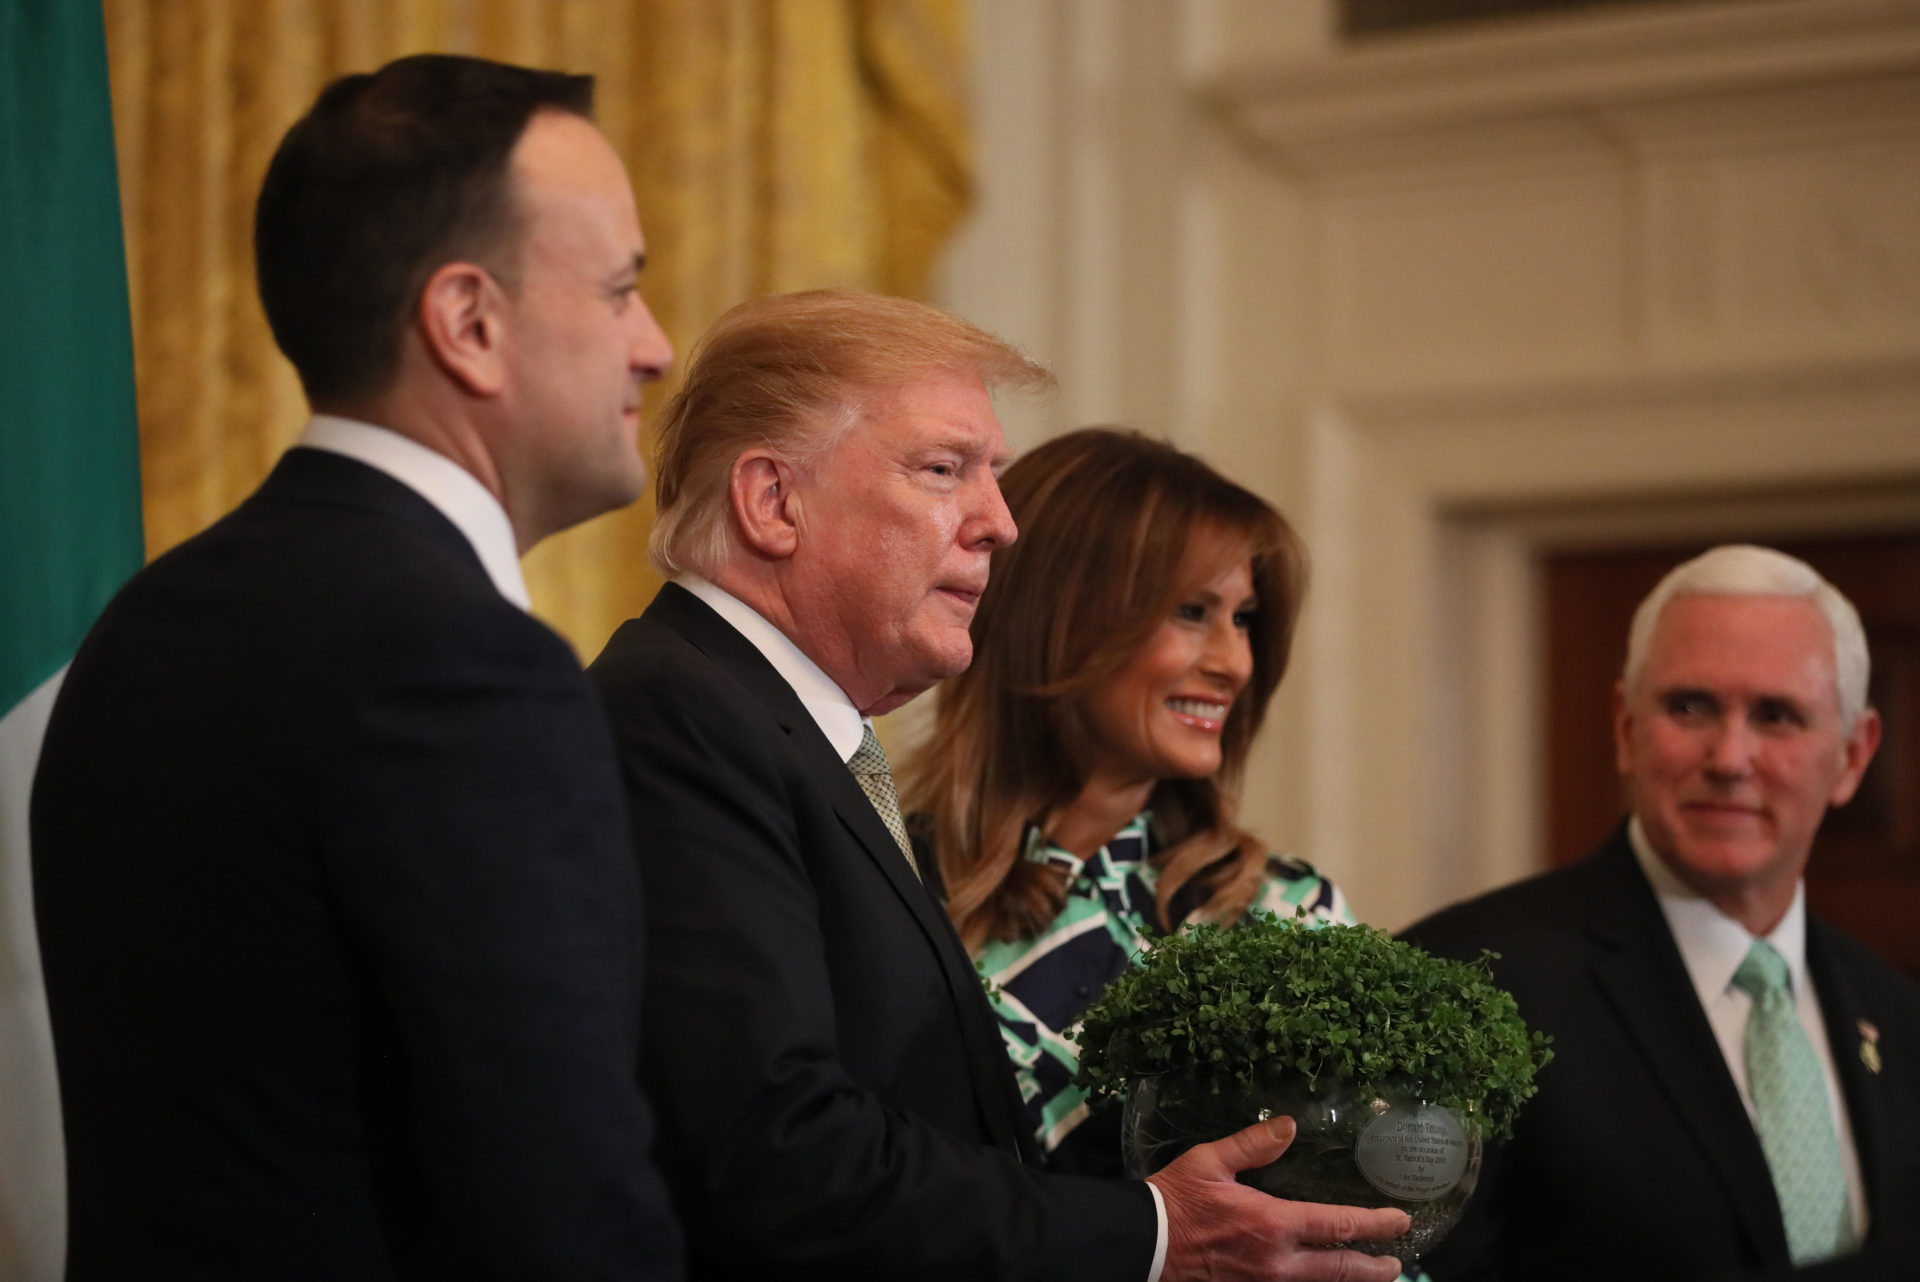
[[936, 665], [941, 650], [1724, 829], [895, 699], [1718, 861], [615, 488], [952, 659]]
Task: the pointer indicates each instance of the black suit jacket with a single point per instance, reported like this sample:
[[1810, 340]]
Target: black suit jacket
[[339, 917], [1637, 1159], [834, 1098]]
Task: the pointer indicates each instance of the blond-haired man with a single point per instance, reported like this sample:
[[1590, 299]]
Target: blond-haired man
[[835, 1098]]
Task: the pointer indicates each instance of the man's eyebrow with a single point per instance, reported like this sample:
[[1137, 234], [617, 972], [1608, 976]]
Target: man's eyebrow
[[1000, 461], [625, 278], [966, 446]]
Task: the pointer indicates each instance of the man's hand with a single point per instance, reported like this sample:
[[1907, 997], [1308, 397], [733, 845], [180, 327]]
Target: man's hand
[[1219, 1229]]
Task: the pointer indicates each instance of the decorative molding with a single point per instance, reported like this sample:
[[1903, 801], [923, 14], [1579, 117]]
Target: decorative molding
[[1431, 515], [1451, 301], [1661, 390], [1857, 264], [1620, 272], [1551, 85]]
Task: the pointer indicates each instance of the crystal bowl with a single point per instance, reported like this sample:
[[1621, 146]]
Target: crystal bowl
[[1388, 1147]]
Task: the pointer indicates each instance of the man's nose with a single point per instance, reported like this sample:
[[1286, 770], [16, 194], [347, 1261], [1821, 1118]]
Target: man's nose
[[1731, 746], [990, 525], [650, 353]]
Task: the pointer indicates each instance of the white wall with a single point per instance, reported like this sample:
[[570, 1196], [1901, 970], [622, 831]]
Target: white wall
[[1451, 301]]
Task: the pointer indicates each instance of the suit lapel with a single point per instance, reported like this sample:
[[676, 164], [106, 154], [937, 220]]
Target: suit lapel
[[862, 820], [1869, 1112], [691, 617], [312, 476], [990, 1068], [1638, 969]]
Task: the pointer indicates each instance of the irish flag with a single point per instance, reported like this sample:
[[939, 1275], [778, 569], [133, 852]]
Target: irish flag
[[69, 515]]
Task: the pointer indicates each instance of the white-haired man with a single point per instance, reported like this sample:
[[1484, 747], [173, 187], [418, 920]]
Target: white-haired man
[[1736, 1088], [834, 1095]]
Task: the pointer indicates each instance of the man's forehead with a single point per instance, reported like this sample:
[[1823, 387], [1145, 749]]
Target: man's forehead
[[562, 159], [1706, 640], [939, 409], [1691, 616]]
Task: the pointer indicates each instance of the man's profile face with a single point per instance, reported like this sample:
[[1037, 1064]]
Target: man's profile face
[[582, 339], [898, 522], [1732, 746]]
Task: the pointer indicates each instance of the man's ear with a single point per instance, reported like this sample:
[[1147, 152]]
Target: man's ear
[[461, 325], [760, 489], [1859, 747], [1622, 731]]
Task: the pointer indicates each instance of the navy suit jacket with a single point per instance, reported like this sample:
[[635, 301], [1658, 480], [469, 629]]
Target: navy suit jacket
[[835, 1100], [339, 916], [1637, 1159]]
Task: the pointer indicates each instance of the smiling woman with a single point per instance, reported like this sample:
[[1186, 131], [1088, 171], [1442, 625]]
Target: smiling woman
[[1078, 788]]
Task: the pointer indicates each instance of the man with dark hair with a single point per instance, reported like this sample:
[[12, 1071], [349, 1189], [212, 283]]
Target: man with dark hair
[[333, 877], [367, 194]]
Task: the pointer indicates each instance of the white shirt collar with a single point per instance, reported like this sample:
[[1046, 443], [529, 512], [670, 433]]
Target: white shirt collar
[[823, 698], [1711, 943], [454, 492]]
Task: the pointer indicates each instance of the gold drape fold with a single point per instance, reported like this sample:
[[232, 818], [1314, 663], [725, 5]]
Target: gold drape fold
[[774, 145]]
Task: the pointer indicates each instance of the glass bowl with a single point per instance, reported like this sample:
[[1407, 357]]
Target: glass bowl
[[1390, 1147]]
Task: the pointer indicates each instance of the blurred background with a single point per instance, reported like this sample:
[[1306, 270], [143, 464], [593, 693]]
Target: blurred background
[[1509, 305]]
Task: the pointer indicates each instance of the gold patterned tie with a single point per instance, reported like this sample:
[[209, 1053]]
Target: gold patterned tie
[[875, 776]]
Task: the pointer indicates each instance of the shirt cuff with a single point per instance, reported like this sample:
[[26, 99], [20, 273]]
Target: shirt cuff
[[1159, 1234]]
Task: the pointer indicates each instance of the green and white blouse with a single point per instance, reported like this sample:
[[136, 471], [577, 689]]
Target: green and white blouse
[[1044, 985]]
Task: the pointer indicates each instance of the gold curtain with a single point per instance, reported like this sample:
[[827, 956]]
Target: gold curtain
[[774, 145]]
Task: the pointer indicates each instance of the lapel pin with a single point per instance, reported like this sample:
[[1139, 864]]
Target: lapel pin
[[1870, 1045]]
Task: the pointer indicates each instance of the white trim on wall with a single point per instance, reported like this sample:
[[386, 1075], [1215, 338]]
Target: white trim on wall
[[1452, 301]]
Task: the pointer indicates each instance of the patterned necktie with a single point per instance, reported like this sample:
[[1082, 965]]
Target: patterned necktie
[[1791, 1114], [875, 776]]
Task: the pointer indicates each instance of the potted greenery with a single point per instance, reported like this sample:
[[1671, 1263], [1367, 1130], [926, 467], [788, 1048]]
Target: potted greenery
[[1394, 1063]]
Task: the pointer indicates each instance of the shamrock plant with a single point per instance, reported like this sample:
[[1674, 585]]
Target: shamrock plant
[[1273, 1003]]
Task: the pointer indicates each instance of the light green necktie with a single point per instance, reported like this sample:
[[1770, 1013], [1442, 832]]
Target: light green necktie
[[1791, 1114], [875, 776]]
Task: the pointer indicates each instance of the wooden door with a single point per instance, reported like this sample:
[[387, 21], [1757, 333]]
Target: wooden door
[[1865, 872]]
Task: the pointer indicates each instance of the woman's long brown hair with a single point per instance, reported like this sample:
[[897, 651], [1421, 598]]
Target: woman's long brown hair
[[1116, 529]]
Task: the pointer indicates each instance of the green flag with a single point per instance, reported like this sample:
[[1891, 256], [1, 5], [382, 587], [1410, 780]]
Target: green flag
[[69, 514]]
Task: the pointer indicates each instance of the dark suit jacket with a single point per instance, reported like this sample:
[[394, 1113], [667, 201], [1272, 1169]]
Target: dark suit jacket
[[1637, 1159], [834, 1098], [339, 917]]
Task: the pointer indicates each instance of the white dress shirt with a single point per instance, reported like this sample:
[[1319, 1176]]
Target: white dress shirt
[[1713, 945], [829, 705], [454, 492], [843, 727]]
